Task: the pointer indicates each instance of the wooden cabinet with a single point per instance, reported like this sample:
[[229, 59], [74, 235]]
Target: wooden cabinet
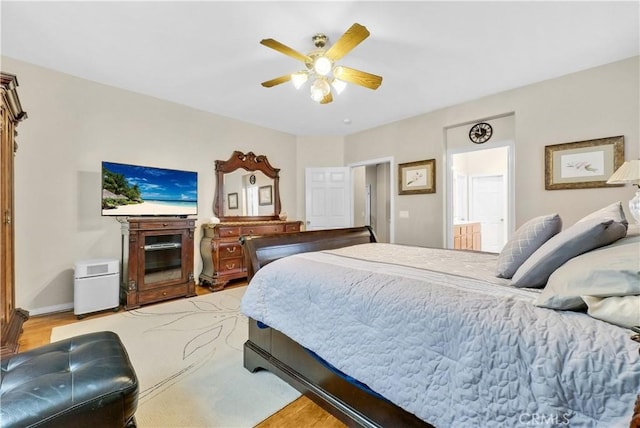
[[222, 253], [11, 113], [467, 236], [157, 260]]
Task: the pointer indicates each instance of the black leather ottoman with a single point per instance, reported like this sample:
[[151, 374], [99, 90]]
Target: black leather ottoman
[[84, 381]]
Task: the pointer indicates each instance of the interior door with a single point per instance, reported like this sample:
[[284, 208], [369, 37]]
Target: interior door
[[487, 207], [327, 198], [367, 206]]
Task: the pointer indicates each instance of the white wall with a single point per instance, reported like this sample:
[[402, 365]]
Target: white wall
[[595, 103], [73, 125]]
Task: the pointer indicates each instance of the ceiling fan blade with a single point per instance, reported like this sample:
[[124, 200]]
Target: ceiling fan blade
[[327, 99], [358, 77], [274, 44], [349, 40], [276, 81]]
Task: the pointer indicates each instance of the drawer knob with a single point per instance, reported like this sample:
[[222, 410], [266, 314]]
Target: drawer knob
[[164, 293], [231, 250], [251, 232], [231, 266]]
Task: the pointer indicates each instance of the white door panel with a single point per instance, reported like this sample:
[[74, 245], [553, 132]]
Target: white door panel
[[487, 207], [327, 198]]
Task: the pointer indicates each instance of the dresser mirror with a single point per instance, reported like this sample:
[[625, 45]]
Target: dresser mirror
[[247, 189]]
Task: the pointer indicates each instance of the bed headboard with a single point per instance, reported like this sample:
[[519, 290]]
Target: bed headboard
[[262, 250]]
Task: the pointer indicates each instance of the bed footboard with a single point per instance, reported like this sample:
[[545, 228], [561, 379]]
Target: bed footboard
[[262, 250], [271, 350]]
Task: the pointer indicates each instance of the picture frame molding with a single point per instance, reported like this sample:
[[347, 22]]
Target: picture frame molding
[[263, 199], [614, 159], [429, 167], [232, 200]]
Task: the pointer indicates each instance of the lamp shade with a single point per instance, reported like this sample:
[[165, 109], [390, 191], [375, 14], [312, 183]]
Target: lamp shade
[[319, 89], [322, 65], [628, 172], [299, 78]]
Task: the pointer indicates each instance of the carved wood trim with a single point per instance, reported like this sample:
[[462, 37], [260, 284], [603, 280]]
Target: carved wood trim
[[9, 84], [11, 318], [249, 162], [11, 333]]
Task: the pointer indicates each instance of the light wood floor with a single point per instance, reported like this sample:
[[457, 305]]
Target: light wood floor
[[301, 413]]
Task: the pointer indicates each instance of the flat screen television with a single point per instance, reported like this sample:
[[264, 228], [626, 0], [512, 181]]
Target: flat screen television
[[134, 190]]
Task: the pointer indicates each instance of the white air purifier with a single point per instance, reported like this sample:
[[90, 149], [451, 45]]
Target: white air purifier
[[96, 286]]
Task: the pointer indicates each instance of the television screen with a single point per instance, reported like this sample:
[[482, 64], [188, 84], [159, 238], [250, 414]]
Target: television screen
[[134, 190]]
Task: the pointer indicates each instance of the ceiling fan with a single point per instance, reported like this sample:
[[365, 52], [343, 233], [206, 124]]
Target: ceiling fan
[[321, 68]]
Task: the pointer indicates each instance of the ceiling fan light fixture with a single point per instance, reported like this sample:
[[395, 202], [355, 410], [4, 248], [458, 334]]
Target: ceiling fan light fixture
[[319, 89], [321, 69], [298, 79], [322, 65], [338, 85]]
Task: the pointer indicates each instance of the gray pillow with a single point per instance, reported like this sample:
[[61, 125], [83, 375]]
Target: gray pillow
[[527, 239], [578, 239], [613, 270]]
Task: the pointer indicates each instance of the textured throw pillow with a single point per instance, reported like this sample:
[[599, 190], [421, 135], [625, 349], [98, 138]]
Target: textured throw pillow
[[527, 239], [613, 270], [578, 239]]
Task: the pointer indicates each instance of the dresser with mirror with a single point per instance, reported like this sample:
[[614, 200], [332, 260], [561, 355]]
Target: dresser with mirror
[[247, 203]]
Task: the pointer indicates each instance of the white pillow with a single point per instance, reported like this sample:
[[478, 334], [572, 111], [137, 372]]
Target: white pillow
[[527, 239], [622, 311]]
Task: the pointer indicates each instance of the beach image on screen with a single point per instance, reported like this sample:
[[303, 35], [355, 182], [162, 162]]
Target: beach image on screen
[[133, 190]]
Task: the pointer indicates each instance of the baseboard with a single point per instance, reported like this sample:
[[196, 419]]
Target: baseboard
[[63, 307]]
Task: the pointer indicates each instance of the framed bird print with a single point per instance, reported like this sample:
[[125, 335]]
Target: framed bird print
[[417, 177], [582, 164]]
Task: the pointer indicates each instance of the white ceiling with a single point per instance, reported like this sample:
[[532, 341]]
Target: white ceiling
[[207, 54]]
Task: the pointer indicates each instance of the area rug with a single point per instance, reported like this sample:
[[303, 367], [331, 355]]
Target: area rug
[[187, 354]]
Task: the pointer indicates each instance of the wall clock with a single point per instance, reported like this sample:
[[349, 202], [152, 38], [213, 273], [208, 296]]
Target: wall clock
[[480, 133]]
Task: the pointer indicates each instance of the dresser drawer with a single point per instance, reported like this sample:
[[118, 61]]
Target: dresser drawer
[[295, 227], [227, 231], [160, 224], [162, 293], [230, 250], [235, 264], [265, 229]]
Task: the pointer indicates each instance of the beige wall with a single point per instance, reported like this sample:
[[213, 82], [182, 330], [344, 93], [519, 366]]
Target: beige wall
[[315, 152], [595, 103], [73, 125]]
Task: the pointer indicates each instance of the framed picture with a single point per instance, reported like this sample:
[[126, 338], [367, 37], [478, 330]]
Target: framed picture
[[417, 177], [582, 164], [265, 195], [233, 201]]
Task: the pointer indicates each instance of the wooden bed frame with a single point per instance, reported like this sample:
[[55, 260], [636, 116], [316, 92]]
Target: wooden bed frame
[[271, 350]]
